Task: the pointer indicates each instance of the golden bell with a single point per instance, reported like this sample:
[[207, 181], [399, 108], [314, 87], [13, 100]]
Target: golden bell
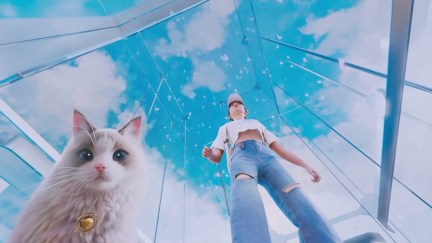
[[86, 222]]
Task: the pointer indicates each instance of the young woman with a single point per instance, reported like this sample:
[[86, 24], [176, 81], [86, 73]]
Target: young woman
[[253, 162]]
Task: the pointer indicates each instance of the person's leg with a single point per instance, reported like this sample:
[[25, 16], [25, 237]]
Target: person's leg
[[248, 219], [313, 227]]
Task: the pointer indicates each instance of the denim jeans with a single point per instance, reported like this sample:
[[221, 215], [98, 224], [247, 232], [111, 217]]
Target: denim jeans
[[248, 219]]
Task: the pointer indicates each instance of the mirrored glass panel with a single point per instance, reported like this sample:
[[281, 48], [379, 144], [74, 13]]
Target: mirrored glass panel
[[20, 160], [313, 73], [418, 65], [337, 29]]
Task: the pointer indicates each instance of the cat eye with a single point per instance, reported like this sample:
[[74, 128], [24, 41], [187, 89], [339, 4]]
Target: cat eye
[[85, 155], [120, 155]]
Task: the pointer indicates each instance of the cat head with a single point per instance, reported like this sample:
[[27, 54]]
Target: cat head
[[99, 160]]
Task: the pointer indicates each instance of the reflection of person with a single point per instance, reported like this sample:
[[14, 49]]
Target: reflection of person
[[253, 162]]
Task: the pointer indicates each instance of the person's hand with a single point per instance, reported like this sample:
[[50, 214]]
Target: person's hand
[[316, 177], [207, 152]]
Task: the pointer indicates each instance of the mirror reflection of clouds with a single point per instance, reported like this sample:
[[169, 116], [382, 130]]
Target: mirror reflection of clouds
[[178, 73]]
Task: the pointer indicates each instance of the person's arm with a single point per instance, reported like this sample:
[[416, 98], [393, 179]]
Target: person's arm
[[291, 157], [214, 155]]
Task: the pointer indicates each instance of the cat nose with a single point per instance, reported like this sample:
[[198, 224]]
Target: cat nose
[[100, 167]]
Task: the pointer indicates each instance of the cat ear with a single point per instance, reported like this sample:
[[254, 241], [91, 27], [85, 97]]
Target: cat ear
[[81, 124], [132, 128]]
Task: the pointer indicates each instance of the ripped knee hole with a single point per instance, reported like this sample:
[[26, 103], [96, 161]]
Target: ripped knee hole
[[243, 176], [291, 187]]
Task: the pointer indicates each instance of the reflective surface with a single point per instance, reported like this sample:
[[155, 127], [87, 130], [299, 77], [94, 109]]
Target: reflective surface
[[314, 73]]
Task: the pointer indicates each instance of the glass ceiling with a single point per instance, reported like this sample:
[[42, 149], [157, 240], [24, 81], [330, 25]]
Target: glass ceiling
[[319, 74]]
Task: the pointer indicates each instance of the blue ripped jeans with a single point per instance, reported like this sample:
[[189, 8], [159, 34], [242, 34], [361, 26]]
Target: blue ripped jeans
[[248, 219]]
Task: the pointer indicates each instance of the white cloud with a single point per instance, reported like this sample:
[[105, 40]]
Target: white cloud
[[361, 112], [414, 157], [323, 194], [204, 221], [206, 74], [420, 50], [363, 42], [360, 41], [364, 117], [336, 100], [91, 86], [205, 31], [348, 31], [8, 10]]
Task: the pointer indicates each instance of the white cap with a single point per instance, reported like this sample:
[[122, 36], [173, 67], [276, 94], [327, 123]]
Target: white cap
[[234, 97]]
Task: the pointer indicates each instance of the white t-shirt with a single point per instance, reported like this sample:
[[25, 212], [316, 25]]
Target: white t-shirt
[[231, 130]]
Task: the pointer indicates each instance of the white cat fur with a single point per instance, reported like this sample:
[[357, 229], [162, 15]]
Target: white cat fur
[[51, 214]]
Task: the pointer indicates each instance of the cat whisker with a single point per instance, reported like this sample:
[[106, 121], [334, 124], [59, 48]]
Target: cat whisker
[[59, 177], [53, 186], [67, 173], [31, 187], [64, 170], [93, 139], [35, 185], [61, 172], [67, 167], [66, 187], [88, 184], [87, 132], [82, 185], [85, 118], [54, 207], [58, 184], [89, 123]]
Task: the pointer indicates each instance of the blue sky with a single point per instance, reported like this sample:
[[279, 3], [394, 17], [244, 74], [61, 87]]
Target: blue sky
[[178, 73]]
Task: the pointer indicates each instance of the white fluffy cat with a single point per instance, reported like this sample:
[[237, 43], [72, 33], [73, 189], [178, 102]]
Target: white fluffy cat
[[101, 174]]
